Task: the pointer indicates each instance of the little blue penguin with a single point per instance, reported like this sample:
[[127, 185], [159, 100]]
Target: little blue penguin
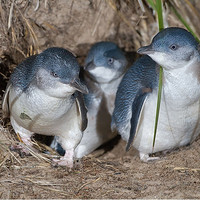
[[177, 51], [44, 96], [104, 68]]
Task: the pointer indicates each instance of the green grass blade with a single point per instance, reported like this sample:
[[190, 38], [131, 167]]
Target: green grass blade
[[161, 26], [160, 15], [158, 104], [173, 8], [152, 4]]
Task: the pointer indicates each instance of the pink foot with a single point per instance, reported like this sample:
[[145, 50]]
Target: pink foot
[[21, 150], [67, 159]]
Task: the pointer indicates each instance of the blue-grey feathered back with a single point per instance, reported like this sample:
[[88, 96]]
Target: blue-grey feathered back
[[143, 73]]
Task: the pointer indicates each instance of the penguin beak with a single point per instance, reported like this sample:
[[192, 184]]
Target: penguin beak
[[76, 83], [89, 66], [146, 50]]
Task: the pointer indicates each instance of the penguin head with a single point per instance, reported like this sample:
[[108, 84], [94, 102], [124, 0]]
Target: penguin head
[[105, 62], [57, 73], [172, 48]]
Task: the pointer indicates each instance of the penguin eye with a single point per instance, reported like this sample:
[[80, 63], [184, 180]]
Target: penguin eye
[[110, 61], [173, 47], [54, 74]]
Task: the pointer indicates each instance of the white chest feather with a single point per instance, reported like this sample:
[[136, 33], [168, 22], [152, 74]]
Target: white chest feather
[[109, 90], [103, 74], [43, 114]]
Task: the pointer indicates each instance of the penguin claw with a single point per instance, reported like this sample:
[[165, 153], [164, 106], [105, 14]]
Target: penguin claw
[[146, 158]]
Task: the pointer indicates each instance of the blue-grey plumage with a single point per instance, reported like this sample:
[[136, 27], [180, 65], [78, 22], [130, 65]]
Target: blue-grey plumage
[[105, 62], [59, 62], [136, 85], [176, 50], [44, 96], [101, 52]]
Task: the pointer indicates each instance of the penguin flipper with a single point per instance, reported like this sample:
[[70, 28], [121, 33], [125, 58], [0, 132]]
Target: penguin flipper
[[82, 111], [137, 108], [140, 79], [5, 101]]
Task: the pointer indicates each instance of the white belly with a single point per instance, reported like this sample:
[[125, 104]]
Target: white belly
[[177, 125], [42, 114], [110, 90]]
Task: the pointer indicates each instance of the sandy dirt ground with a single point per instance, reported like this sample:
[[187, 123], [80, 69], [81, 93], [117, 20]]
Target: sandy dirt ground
[[107, 173]]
